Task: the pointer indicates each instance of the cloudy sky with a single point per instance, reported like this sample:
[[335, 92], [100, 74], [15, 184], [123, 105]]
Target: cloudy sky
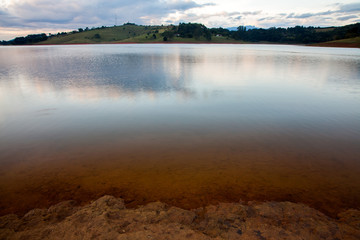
[[22, 17]]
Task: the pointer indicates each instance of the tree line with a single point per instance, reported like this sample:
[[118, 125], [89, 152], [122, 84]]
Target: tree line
[[29, 39], [298, 34]]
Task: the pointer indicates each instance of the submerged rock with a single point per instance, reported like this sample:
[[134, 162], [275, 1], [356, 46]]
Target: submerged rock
[[107, 218]]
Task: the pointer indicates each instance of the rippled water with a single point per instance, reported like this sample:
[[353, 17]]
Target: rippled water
[[186, 124]]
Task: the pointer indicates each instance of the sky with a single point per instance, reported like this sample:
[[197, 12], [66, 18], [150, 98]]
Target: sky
[[23, 17]]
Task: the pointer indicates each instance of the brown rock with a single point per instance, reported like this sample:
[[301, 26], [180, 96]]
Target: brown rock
[[107, 218]]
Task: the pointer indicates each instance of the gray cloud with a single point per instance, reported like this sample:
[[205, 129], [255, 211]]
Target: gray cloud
[[251, 13], [352, 7], [266, 19], [222, 17], [309, 15], [342, 9], [338, 13], [192, 17], [347, 17], [46, 13]]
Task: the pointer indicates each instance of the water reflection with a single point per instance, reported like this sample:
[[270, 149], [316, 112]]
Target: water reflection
[[282, 121], [173, 69], [213, 90], [111, 75]]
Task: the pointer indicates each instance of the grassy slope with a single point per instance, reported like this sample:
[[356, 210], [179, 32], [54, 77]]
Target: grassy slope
[[107, 35], [349, 42], [126, 33]]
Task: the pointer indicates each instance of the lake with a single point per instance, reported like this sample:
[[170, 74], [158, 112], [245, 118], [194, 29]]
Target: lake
[[186, 124]]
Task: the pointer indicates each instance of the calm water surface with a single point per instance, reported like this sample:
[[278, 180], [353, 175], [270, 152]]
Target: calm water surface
[[189, 125]]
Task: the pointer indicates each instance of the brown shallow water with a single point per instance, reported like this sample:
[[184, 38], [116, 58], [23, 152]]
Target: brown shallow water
[[187, 125], [184, 175]]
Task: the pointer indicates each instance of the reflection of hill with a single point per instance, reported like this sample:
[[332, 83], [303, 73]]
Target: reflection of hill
[[92, 75]]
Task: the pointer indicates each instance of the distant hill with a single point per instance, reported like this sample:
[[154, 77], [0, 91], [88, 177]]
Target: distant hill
[[198, 33], [248, 27]]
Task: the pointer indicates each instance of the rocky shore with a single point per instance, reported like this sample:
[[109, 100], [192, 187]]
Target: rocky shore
[[108, 218]]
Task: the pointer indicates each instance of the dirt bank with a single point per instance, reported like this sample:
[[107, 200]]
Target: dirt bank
[[338, 44], [107, 218]]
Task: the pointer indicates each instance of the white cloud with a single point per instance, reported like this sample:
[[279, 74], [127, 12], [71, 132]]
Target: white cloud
[[21, 16]]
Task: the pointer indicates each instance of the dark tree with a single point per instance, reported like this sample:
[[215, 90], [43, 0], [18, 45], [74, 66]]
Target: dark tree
[[220, 31], [168, 34], [193, 30]]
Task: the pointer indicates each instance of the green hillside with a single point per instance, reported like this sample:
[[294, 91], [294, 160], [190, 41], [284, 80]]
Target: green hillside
[[345, 36], [127, 32], [136, 34]]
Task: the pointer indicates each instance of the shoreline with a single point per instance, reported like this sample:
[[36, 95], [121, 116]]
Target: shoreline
[[329, 45], [108, 218], [325, 44]]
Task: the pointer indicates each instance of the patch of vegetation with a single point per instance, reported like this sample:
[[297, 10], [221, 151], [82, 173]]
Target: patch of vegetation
[[29, 39], [96, 36]]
